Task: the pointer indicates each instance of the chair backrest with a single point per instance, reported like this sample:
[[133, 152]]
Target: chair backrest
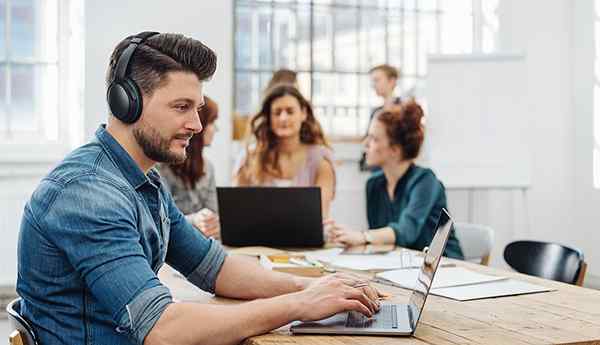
[[476, 241], [546, 260], [17, 323]]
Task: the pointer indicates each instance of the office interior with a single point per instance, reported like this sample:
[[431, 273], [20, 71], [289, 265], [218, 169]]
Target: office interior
[[545, 186]]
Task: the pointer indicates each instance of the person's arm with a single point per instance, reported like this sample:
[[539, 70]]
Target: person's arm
[[325, 178], [422, 200], [404, 231], [189, 323]]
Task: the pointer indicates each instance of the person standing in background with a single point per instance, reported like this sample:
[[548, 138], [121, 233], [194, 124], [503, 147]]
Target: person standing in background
[[384, 79], [192, 183]]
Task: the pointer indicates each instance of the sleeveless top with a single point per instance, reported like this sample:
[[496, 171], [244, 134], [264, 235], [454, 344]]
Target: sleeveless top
[[306, 175]]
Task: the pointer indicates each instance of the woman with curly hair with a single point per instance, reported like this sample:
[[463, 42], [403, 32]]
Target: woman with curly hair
[[404, 201], [289, 147]]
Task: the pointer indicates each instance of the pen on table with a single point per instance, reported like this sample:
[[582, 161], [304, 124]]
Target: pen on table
[[320, 265]]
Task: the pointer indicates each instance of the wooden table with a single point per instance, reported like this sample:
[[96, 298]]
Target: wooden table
[[569, 315]]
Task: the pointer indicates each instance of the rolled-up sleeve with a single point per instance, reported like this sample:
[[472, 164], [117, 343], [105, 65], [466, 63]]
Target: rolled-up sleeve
[[104, 248], [195, 256]]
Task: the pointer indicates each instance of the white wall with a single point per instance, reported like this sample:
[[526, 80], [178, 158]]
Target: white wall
[[208, 21], [586, 230]]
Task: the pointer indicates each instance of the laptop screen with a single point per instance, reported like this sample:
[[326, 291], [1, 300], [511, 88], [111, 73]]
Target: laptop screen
[[429, 267]]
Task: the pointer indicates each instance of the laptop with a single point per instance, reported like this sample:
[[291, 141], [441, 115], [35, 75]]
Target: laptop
[[392, 319], [270, 216]]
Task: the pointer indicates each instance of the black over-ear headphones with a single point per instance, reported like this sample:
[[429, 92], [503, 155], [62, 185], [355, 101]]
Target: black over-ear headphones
[[123, 94]]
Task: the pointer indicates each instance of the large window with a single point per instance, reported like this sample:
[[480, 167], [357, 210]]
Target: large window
[[40, 72], [333, 43]]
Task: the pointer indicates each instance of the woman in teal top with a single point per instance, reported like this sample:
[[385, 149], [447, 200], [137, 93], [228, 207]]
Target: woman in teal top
[[404, 201]]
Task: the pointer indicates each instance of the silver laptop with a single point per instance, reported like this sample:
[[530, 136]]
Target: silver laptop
[[392, 319]]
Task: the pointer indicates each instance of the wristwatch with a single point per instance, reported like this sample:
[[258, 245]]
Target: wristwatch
[[368, 237]]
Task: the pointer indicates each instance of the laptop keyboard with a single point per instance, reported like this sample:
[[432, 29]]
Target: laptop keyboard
[[386, 318]]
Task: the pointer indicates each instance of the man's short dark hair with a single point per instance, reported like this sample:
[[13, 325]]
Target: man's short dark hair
[[161, 54], [390, 72]]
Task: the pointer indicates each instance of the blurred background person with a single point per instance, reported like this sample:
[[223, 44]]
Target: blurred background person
[[289, 147]]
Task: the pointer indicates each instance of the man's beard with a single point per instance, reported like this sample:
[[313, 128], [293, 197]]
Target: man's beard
[[154, 145]]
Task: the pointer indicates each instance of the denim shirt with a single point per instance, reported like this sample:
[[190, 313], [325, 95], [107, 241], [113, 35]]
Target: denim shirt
[[93, 236]]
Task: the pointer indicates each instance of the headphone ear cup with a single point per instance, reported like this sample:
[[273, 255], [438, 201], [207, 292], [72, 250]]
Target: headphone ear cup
[[135, 99], [124, 100]]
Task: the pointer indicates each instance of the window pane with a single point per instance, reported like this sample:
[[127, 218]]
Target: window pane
[[427, 40], [345, 121], [409, 62], [303, 37], [2, 29], [243, 37], [34, 29], [243, 93], [395, 37], [3, 105], [323, 26], [372, 38], [322, 88], [323, 115], [265, 56], [428, 5], [345, 90], [284, 37], [34, 92], [346, 39], [456, 26], [23, 90]]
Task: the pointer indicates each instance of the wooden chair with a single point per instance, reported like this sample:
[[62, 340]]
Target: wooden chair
[[547, 260], [21, 332], [476, 241]]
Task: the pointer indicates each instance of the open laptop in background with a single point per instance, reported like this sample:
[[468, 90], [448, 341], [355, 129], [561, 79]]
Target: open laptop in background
[[392, 319], [271, 216]]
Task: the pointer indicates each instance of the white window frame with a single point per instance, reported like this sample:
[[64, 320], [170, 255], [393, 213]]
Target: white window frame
[[19, 150], [479, 23]]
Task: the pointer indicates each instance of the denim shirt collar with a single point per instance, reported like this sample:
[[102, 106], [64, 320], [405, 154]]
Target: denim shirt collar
[[132, 172]]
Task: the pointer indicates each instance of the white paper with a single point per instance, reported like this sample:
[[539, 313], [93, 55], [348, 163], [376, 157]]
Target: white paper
[[390, 261], [507, 287], [444, 277]]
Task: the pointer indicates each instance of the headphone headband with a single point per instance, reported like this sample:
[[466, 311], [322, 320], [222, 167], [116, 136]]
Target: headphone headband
[[125, 57]]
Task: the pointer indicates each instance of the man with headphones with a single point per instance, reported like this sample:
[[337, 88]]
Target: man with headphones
[[100, 225]]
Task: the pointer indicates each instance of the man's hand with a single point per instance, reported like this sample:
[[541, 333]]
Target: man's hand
[[207, 222], [337, 293]]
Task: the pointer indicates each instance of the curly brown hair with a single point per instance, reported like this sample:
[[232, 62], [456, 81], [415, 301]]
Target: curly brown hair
[[404, 127], [263, 160], [192, 169]]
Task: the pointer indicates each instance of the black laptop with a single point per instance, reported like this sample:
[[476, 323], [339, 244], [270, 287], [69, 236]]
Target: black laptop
[[271, 216]]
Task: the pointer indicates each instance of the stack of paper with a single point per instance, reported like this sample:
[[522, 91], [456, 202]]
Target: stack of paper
[[444, 277], [461, 284]]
